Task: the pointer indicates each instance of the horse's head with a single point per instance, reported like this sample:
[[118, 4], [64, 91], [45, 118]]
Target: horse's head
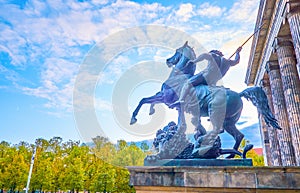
[[182, 54]]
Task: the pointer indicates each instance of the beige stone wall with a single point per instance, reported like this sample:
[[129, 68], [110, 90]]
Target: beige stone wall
[[206, 190], [215, 179]]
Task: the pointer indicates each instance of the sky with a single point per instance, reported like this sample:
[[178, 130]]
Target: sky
[[60, 58]]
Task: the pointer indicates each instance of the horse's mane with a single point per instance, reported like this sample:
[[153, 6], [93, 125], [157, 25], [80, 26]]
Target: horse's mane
[[193, 51]]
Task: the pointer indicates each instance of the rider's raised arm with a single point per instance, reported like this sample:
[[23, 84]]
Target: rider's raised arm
[[237, 57], [204, 56]]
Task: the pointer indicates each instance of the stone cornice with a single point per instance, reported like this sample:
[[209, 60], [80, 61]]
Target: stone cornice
[[265, 11], [291, 7], [266, 50]]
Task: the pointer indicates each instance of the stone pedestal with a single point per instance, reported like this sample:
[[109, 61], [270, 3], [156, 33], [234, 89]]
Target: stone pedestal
[[215, 179], [199, 162]]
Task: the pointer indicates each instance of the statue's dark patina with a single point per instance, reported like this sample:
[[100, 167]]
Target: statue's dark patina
[[222, 105]]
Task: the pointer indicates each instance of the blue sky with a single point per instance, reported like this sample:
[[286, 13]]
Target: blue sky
[[43, 45]]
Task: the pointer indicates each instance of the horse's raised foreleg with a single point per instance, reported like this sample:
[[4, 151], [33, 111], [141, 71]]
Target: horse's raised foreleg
[[158, 98], [152, 110], [166, 96]]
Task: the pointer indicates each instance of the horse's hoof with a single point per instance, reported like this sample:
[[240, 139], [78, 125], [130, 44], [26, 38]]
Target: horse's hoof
[[133, 120], [230, 156], [152, 111], [246, 149]]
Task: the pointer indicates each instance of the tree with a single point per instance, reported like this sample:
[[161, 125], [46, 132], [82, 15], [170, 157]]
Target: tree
[[57, 165], [69, 165], [16, 169], [42, 175], [75, 164], [58, 172], [55, 144], [90, 171], [136, 155], [128, 155], [122, 177], [103, 149], [144, 146], [4, 150]]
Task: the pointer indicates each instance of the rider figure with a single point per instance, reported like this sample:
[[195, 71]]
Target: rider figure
[[216, 69]]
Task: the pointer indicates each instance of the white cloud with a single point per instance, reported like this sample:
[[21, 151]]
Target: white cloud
[[102, 105], [57, 80], [13, 45], [127, 14], [115, 69], [243, 11], [185, 11], [208, 10], [59, 70], [162, 54], [102, 2], [9, 74], [58, 98], [53, 42], [216, 38]]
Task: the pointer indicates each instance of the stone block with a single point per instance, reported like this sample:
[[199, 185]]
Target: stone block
[[239, 179], [204, 179], [271, 180]]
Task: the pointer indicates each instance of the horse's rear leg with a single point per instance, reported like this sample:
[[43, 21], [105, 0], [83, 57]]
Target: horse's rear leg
[[199, 129], [181, 120], [236, 134]]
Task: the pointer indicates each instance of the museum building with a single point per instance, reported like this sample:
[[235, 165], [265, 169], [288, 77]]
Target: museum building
[[274, 64]]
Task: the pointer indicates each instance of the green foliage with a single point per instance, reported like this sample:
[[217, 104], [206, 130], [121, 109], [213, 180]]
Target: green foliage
[[130, 155], [14, 169], [69, 166], [258, 160], [145, 147]]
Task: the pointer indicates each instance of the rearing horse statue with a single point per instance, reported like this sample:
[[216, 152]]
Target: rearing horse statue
[[223, 106]]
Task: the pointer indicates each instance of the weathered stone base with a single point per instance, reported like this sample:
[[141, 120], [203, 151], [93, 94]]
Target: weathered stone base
[[215, 179], [199, 162], [151, 189]]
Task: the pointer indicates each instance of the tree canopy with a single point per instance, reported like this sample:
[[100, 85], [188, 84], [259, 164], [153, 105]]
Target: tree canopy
[[69, 166]]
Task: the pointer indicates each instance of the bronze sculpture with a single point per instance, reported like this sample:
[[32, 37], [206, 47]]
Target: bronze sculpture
[[216, 69], [222, 105]]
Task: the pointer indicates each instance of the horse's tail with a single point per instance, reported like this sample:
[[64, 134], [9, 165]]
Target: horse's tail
[[259, 99]]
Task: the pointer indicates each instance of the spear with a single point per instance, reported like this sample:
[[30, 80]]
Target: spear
[[249, 38]]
